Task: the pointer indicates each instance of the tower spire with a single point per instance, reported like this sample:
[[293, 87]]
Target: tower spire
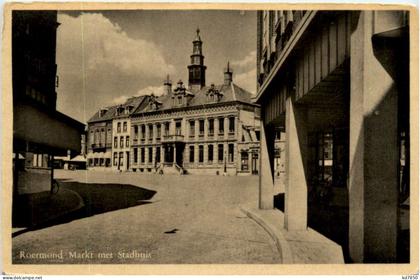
[[228, 75], [197, 69]]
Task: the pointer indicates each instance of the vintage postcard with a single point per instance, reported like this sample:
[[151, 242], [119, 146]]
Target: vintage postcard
[[210, 139]]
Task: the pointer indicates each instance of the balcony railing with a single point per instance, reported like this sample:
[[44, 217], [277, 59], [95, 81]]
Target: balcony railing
[[173, 138]]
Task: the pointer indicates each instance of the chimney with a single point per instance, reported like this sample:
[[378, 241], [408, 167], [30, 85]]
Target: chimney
[[228, 75], [167, 86]]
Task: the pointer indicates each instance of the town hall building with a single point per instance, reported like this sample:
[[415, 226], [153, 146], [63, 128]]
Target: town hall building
[[187, 129]]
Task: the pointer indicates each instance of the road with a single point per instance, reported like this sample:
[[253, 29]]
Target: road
[[190, 220]]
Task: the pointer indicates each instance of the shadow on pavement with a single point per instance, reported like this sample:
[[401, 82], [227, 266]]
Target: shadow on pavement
[[74, 200]]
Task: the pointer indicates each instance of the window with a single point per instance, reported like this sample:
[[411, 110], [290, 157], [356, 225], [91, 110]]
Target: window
[[125, 127], [92, 137], [230, 152], [231, 124], [179, 100], [210, 154], [142, 155], [157, 154], [244, 161], [166, 129], [127, 141], [121, 159], [90, 162], [40, 160], [178, 128], [211, 126], [220, 153], [135, 155], [158, 130], [101, 162], [121, 142], [221, 125], [115, 142], [191, 153], [97, 137], [119, 127], [143, 131], [95, 163], [102, 141], [150, 131], [201, 123], [257, 134], [108, 136], [136, 131], [200, 153], [192, 128], [150, 159]]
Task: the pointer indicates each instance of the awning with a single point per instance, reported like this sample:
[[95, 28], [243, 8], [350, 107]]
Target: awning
[[49, 128]]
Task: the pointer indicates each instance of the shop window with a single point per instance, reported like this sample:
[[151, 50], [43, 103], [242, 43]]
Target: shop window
[[231, 153], [244, 161], [328, 157], [115, 159], [121, 159]]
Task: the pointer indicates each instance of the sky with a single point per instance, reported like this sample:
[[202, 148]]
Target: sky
[[104, 57]]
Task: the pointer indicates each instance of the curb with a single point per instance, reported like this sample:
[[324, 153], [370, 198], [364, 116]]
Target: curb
[[281, 243]]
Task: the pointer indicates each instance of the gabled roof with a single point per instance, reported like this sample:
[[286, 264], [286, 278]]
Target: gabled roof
[[108, 113], [229, 93]]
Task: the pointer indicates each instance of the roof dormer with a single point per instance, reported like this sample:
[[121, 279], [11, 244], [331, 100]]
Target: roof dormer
[[213, 94]]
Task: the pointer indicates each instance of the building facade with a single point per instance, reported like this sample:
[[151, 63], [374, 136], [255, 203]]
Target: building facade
[[337, 84], [109, 136], [197, 128], [40, 132]]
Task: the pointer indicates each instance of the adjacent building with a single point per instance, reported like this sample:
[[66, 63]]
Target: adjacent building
[[109, 136], [40, 132], [337, 84]]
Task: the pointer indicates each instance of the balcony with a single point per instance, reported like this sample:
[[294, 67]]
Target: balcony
[[98, 147], [173, 138]]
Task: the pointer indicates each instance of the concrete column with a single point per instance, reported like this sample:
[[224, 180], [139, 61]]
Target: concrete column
[[296, 190], [196, 154], [197, 128], [266, 183], [146, 136], [162, 154], [226, 131], [154, 156], [373, 151], [205, 150], [236, 127], [206, 129], [146, 155], [174, 154]]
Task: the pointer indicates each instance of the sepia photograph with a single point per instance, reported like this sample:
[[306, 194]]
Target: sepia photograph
[[176, 135]]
